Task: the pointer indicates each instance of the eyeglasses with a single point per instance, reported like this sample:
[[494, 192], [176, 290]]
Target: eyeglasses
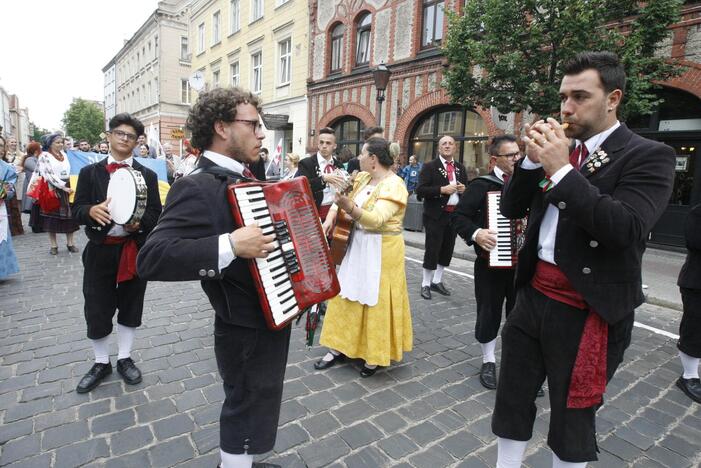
[[255, 124], [123, 135], [515, 155]]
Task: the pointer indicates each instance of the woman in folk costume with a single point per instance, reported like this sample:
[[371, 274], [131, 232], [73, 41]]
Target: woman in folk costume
[[370, 318], [29, 165], [54, 167], [10, 154], [8, 177]]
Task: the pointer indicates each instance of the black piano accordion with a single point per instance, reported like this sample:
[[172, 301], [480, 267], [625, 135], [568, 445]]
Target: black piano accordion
[[511, 234]]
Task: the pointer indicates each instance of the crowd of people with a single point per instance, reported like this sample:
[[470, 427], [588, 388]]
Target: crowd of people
[[581, 202]]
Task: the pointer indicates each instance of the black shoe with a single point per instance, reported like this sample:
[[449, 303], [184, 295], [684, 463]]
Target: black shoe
[[94, 376], [692, 388], [128, 370], [426, 292], [440, 289], [321, 364], [541, 393], [488, 375], [72, 248], [368, 372]]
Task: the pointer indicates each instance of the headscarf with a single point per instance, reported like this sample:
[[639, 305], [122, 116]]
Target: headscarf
[[48, 139]]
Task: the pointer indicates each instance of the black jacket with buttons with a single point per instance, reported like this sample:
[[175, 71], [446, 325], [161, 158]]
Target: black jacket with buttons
[[471, 212], [432, 177], [184, 246], [309, 168], [605, 215], [690, 274]]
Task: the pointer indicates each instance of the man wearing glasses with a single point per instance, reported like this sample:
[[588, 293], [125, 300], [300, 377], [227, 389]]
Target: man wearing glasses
[[110, 281], [493, 286], [196, 239]]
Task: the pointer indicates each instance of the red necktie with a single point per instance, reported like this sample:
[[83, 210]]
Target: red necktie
[[578, 155], [248, 174], [328, 169], [451, 171], [506, 178], [111, 167]]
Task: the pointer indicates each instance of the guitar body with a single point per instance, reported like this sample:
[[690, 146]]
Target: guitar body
[[341, 236]]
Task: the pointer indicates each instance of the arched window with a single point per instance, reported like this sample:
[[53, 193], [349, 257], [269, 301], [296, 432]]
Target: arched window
[[467, 127], [362, 55], [349, 133], [337, 47]]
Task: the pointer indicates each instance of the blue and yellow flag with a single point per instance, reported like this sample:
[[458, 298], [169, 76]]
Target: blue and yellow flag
[[79, 160]]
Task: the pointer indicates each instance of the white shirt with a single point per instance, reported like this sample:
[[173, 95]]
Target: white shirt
[[548, 227], [455, 197], [328, 190], [226, 245], [118, 230]]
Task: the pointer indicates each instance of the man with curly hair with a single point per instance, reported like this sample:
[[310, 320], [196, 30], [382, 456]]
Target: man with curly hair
[[196, 239]]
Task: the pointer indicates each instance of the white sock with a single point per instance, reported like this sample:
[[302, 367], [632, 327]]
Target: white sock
[[370, 366], [488, 351], [557, 463], [125, 340], [510, 452], [690, 365], [101, 348], [438, 275], [230, 460], [428, 276], [330, 355]]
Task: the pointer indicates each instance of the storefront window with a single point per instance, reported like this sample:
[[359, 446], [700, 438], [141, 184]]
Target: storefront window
[[349, 133]]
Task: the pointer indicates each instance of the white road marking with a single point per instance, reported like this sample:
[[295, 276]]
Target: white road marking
[[637, 324]]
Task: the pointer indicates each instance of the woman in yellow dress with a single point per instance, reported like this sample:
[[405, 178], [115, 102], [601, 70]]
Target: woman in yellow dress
[[370, 318]]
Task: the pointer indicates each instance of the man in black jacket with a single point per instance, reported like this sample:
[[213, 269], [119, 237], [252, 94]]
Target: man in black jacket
[[493, 286], [441, 182], [690, 327], [578, 279], [109, 259], [196, 239]]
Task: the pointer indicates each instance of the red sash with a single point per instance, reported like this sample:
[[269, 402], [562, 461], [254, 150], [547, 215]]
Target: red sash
[[588, 381], [127, 261]]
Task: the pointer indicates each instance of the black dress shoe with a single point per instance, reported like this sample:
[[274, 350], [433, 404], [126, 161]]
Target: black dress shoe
[[368, 372], [321, 364], [128, 370], [692, 388], [94, 376], [426, 292], [488, 375], [541, 393], [440, 289]]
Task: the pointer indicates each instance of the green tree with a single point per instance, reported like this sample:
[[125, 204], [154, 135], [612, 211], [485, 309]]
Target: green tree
[[519, 46], [84, 119], [38, 132]]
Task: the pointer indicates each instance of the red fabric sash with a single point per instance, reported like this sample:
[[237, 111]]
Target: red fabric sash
[[588, 380], [449, 208], [127, 261]]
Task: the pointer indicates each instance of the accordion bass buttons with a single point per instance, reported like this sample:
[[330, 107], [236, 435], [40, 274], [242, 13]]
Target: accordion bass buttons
[[593, 244]]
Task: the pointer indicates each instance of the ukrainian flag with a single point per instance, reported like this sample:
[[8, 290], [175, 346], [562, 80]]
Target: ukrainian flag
[[79, 160]]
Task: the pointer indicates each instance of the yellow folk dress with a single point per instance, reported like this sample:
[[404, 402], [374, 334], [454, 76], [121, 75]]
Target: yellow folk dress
[[381, 333]]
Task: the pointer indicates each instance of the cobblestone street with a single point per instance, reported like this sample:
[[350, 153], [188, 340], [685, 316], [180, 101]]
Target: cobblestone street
[[428, 411]]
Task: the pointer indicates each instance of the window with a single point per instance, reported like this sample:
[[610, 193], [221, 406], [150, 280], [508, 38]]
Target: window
[[337, 47], [349, 133], [234, 70], [215, 79], [216, 28], [235, 9], [138, 61], [256, 9], [362, 55], [285, 51], [150, 94], [183, 49], [155, 45], [184, 91], [200, 38], [432, 33], [256, 72]]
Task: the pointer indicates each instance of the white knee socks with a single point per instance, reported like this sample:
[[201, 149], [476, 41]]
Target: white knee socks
[[690, 365], [427, 277], [557, 463], [101, 348], [438, 275], [510, 452], [488, 351], [229, 460], [125, 340]]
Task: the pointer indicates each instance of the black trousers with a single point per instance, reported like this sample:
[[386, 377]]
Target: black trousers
[[540, 339], [103, 296], [252, 363], [493, 286], [439, 243], [690, 326]]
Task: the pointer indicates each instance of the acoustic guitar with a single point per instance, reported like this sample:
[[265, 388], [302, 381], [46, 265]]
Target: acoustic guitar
[[343, 229]]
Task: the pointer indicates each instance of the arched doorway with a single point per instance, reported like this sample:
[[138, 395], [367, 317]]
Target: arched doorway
[[349, 134], [466, 126]]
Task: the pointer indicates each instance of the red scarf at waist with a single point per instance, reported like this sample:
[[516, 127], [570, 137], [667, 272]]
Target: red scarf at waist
[[127, 261], [588, 381]]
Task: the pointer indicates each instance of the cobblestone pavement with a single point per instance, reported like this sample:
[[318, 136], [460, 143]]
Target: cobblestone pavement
[[427, 411]]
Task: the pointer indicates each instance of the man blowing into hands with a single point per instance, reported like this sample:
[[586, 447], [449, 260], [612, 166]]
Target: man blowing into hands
[[590, 208], [196, 238]]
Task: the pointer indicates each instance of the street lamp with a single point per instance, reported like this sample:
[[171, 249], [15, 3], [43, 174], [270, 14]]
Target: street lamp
[[381, 77]]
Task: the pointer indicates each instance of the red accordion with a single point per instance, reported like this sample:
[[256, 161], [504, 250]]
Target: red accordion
[[299, 272]]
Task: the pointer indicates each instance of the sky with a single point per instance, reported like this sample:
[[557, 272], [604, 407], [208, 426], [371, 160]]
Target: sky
[[54, 51]]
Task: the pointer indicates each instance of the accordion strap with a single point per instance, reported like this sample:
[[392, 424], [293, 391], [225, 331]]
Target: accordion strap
[[491, 178], [221, 173]]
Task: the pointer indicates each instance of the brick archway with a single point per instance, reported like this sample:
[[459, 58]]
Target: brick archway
[[346, 110], [689, 81]]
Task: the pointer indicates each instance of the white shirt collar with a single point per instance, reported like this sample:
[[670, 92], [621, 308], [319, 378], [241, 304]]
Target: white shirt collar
[[224, 161], [499, 173], [129, 160], [445, 161], [323, 162], [597, 140]]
